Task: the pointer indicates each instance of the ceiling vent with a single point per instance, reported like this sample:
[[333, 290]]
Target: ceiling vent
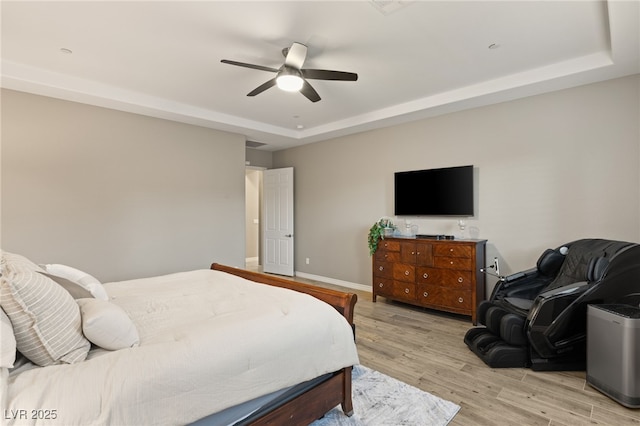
[[387, 7], [253, 144]]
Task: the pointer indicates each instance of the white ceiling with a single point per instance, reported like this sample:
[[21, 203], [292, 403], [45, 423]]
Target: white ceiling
[[414, 59]]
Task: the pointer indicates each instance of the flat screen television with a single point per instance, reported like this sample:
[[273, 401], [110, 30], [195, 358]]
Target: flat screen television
[[434, 192]]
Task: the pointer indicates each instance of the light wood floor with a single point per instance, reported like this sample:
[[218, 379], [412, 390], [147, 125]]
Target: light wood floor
[[426, 349]]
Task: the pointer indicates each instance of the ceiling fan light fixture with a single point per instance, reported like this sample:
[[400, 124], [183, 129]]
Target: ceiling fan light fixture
[[292, 77], [289, 79]]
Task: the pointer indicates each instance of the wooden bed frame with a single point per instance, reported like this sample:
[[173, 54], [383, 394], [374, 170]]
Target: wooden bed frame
[[314, 403]]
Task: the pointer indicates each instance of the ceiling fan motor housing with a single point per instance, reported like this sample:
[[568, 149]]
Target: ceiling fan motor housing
[[292, 77]]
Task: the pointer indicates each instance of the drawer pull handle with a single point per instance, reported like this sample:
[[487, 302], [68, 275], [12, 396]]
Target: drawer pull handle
[[460, 299], [381, 268], [460, 279], [451, 250], [406, 273], [413, 252], [425, 275], [380, 285], [452, 262], [425, 294], [406, 290], [418, 253]]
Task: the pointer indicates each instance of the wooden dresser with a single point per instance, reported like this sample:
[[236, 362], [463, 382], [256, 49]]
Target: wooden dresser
[[437, 274]]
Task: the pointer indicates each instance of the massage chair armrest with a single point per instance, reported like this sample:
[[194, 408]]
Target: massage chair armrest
[[550, 321], [529, 281], [512, 279]]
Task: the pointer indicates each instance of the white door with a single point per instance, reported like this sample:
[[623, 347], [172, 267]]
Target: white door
[[278, 221]]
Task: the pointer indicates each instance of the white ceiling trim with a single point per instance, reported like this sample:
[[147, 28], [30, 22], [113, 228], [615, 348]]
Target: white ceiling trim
[[46, 83], [621, 59], [535, 81]]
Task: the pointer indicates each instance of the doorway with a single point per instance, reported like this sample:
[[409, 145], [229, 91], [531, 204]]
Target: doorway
[[253, 228]]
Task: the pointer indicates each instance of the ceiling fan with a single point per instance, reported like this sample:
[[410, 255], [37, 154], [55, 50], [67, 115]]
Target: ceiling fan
[[291, 76]]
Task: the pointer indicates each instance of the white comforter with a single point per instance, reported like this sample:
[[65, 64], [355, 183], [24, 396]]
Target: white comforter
[[208, 341]]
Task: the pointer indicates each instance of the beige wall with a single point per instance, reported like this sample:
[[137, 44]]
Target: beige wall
[[122, 195], [549, 169], [258, 158], [116, 194]]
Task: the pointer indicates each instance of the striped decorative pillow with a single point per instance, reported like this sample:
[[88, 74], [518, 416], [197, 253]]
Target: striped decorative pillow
[[46, 319], [16, 261]]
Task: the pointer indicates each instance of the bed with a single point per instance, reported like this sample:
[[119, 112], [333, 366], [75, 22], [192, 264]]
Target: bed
[[214, 346]]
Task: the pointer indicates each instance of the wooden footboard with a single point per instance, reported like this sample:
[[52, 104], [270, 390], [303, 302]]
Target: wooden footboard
[[311, 405], [315, 402], [343, 302]]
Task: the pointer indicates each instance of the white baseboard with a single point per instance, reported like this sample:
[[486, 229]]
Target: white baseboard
[[334, 281]]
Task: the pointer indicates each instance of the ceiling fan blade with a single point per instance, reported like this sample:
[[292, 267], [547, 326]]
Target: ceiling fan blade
[[262, 87], [252, 66], [309, 92], [296, 55], [329, 75]]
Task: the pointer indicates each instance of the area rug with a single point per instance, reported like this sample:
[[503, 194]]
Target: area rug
[[380, 400]]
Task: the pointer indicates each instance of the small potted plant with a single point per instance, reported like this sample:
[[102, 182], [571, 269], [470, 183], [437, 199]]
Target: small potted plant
[[384, 227]]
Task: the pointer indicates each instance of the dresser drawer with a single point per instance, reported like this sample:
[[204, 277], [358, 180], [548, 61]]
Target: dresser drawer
[[452, 278], [403, 290], [383, 269], [453, 250], [387, 256], [404, 272], [383, 286], [387, 287], [457, 279], [462, 263], [429, 295], [389, 245], [428, 275], [456, 299]]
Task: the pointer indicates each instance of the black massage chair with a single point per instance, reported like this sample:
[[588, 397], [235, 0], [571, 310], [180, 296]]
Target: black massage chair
[[537, 318]]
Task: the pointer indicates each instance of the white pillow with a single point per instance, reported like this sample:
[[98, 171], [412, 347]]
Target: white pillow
[[45, 318], [79, 277], [107, 325], [75, 290], [8, 341]]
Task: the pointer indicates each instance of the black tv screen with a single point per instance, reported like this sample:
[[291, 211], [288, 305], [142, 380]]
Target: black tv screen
[[434, 192]]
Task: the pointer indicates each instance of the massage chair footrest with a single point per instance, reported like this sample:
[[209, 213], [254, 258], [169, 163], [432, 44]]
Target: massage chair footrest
[[571, 362], [495, 352]]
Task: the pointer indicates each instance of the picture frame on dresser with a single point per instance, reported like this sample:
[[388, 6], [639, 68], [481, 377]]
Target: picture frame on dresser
[[433, 273]]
